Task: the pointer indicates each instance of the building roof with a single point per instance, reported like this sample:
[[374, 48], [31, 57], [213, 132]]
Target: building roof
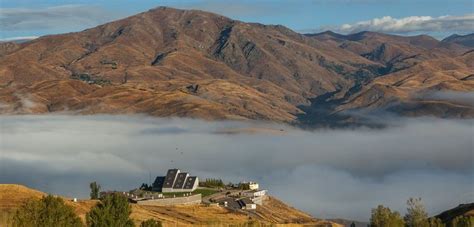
[[180, 179], [170, 178], [159, 181], [190, 181]]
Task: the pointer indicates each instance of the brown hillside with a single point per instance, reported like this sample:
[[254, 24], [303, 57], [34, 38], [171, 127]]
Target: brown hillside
[[190, 63], [272, 212]]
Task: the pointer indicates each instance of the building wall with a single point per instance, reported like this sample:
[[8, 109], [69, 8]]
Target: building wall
[[253, 186], [189, 200], [254, 193], [259, 200], [251, 206]]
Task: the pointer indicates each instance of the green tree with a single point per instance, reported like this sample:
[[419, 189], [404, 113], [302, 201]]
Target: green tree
[[416, 215], [150, 223], [46, 212], [95, 189], [384, 217], [435, 222], [113, 210], [463, 221], [212, 183]]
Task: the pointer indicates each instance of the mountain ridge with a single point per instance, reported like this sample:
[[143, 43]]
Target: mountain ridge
[[145, 64]]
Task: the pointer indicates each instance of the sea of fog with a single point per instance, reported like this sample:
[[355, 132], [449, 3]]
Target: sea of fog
[[327, 172]]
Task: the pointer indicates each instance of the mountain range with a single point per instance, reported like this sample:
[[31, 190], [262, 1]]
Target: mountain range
[[188, 63]]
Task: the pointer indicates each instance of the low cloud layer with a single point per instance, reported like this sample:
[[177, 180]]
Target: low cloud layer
[[328, 173], [464, 98], [63, 16], [412, 24]]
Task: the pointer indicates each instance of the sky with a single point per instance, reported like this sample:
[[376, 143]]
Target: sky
[[330, 173], [439, 18]]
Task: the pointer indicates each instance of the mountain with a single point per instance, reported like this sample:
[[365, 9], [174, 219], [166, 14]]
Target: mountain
[[190, 63], [465, 40], [271, 212]]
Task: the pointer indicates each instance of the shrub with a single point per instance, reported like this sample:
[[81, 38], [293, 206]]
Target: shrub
[[416, 215], [463, 221], [49, 211], [150, 223], [113, 210], [212, 183], [384, 217]]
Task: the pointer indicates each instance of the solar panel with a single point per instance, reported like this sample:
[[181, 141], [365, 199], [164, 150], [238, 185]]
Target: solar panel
[[179, 183], [170, 177], [190, 182], [158, 184]]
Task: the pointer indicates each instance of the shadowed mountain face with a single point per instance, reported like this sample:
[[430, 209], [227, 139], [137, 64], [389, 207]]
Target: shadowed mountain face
[[465, 40], [188, 63]]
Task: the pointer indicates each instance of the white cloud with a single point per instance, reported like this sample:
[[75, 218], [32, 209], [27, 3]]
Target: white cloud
[[410, 24], [465, 98]]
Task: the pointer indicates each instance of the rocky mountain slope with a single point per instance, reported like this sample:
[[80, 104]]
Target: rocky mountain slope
[[272, 211], [190, 63]]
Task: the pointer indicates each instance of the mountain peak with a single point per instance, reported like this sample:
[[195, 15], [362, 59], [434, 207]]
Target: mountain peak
[[148, 62]]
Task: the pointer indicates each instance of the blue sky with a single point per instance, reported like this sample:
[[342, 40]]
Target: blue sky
[[439, 18]]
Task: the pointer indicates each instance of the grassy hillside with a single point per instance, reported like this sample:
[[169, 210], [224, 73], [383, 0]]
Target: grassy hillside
[[271, 212]]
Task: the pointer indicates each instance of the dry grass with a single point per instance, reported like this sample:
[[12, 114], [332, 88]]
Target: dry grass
[[273, 211]]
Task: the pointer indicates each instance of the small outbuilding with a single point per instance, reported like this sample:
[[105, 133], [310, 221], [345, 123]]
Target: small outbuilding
[[247, 204]]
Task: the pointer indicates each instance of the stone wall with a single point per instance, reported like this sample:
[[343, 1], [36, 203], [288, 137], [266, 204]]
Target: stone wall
[[188, 200]]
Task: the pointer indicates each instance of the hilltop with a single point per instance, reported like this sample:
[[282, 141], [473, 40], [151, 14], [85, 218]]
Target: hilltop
[[272, 211], [190, 63]]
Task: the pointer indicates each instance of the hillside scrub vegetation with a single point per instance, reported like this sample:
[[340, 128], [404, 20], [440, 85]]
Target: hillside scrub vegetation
[[416, 216], [150, 223], [212, 183], [384, 217], [113, 210], [46, 212]]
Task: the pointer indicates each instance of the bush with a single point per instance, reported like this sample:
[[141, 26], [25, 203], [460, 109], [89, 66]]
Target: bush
[[113, 210], [49, 211], [463, 221], [150, 223], [435, 222], [416, 215], [384, 217], [212, 183]]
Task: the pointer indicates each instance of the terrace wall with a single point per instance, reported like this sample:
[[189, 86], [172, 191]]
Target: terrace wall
[[188, 200]]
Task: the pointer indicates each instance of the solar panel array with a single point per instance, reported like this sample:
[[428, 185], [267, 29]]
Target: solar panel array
[[175, 179]]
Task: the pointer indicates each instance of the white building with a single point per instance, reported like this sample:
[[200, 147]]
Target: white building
[[254, 193], [251, 185], [247, 204]]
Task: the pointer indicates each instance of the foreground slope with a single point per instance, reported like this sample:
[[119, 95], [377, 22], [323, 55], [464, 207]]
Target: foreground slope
[[190, 63], [272, 211]]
